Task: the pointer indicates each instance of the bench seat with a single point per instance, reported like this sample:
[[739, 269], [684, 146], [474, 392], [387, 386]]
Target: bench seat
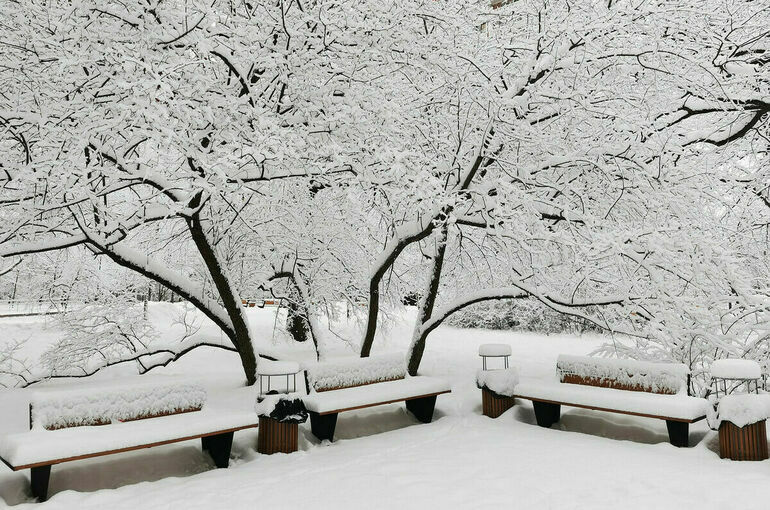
[[677, 410], [668, 407], [24, 450], [418, 392], [369, 395]]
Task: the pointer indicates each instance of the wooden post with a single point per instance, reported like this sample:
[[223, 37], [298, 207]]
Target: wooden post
[[493, 405], [276, 437], [743, 443]]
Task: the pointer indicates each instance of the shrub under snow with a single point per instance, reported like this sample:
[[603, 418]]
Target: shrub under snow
[[97, 405], [347, 372], [666, 378], [519, 315]]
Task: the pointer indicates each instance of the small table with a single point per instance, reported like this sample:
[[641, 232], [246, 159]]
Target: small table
[[735, 372], [494, 351], [270, 369]]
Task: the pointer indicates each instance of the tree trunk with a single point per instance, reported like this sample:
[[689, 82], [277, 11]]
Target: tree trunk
[[229, 296], [427, 302], [296, 324]]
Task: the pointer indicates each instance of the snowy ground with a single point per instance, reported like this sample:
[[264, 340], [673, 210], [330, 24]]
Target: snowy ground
[[383, 458]]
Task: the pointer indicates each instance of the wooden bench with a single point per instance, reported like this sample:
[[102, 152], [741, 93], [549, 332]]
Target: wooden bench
[[650, 390], [68, 426], [346, 385]]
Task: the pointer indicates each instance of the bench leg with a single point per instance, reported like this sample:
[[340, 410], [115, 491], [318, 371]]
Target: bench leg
[[219, 447], [39, 477], [546, 413], [422, 408], [678, 433], [323, 425]]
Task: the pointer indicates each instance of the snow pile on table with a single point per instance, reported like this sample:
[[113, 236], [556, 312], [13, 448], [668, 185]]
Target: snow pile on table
[[269, 367], [664, 378], [742, 410], [736, 369], [347, 372], [494, 350], [95, 405], [502, 382]]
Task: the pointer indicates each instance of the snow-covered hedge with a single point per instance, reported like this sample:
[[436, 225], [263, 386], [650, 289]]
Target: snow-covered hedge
[[666, 378], [742, 410], [99, 405], [347, 372], [502, 382], [519, 315]]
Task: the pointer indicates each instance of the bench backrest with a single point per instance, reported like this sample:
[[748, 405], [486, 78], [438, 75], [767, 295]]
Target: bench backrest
[[622, 374], [351, 372], [101, 405]]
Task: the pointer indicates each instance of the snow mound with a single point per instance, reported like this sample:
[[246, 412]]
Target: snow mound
[[736, 369], [100, 405], [742, 410], [494, 350], [503, 382], [269, 367], [347, 372], [665, 378]]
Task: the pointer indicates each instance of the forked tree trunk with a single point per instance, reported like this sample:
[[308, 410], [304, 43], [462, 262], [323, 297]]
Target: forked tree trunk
[[427, 302], [229, 295]]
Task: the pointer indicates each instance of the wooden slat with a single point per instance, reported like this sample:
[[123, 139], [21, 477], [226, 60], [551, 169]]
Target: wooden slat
[[598, 382], [494, 405], [276, 437], [743, 443], [372, 404], [127, 449], [359, 385], [609, 410]]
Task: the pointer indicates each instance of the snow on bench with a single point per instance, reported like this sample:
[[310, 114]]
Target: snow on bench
[[82, 423], [349, 384], [617, 386], [100, 405], [666, 378]]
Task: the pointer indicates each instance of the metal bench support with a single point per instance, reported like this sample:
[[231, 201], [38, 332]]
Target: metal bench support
[[678, 433], [546, 413], [39, 478], [323, 425], [219, 447], [422, 408]]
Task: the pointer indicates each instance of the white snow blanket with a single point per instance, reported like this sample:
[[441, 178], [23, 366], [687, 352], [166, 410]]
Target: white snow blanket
[[347, 372], [502, 382], [680, 407], [40, 445], [668, 378], [106, 403], [736, 369], [494, 350], [375, 394], [742, 410]]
